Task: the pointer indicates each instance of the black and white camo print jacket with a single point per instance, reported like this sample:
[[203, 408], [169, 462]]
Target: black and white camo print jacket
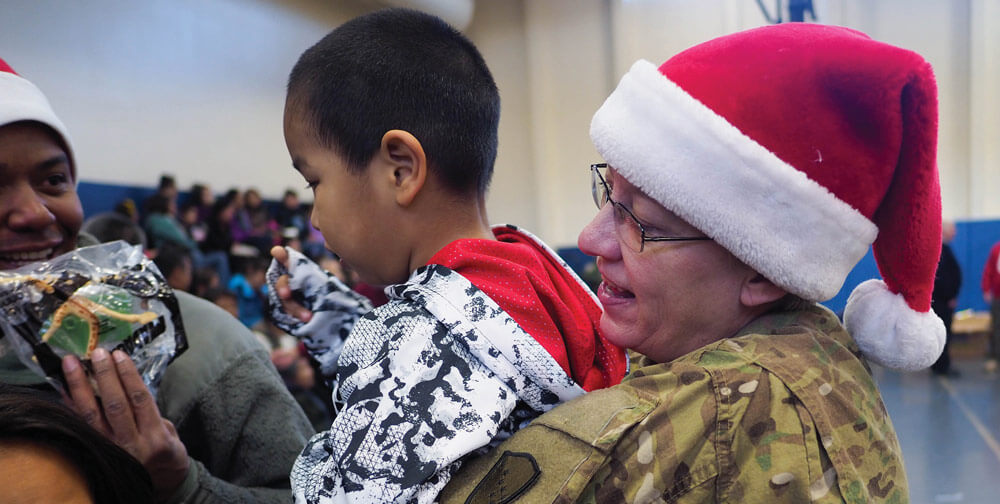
[[438, 373]]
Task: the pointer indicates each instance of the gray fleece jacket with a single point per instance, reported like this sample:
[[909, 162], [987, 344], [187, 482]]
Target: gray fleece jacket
[[241, 427]]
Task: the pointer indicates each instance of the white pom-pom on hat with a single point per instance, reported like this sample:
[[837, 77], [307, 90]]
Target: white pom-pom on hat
[[889, 332]]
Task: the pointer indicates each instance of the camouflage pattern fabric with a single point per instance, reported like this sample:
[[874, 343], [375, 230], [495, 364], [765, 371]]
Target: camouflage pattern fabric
[[786, 411]]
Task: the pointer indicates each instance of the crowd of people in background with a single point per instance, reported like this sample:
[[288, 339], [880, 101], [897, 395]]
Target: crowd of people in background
[[217, 247]]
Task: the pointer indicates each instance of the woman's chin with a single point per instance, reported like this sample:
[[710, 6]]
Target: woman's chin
[[618, 328]]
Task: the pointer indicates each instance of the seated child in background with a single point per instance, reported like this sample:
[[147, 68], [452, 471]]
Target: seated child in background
[[174, 262], [392, 120], [249, 286], [225, 299]]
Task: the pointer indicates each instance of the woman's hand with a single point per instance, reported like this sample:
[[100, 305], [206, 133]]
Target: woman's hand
[[127, 414]]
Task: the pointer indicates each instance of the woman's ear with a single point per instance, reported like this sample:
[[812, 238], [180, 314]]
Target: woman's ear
[[405, 163], [759, 291]]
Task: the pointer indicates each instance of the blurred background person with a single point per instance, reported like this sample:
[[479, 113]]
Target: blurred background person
[[167, 188], [944, 298], [174, 263], [193, 224], [205, 280], [290, 215], [161, 223], [118, 224], [991, 293], [225, 299], [262, 229], [202, 197], [248, 284]]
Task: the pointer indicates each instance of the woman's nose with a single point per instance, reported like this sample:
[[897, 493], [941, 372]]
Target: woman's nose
[[599, 238], [23, 208]]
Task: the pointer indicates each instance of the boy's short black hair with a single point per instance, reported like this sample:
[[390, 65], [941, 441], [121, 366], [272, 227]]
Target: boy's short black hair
[[402, 69]]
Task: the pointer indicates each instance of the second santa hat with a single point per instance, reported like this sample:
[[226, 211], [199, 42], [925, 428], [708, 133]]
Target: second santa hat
[[796, 147], [20, 100]]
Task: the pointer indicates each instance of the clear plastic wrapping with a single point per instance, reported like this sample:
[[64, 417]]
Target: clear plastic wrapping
[[109, 296]]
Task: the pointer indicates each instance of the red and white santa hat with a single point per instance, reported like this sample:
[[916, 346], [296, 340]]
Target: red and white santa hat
[[20, 100], [795, 147]]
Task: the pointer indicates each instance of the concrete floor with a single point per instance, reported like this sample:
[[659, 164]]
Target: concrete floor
[[949, 430]]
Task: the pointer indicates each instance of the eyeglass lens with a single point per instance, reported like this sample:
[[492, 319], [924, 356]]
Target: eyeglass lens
[[628, 228], [598, 185]]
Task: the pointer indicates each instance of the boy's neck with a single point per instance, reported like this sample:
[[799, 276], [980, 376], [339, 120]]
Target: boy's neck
[[448, 224]]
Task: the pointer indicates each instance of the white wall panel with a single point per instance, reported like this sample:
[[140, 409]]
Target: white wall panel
[[189, 87]]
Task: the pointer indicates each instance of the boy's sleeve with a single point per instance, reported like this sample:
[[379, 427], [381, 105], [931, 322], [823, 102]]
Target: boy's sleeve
[[416, 402], [334, 306]]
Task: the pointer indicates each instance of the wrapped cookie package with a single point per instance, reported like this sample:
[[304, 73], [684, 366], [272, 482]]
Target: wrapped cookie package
[[109, 296]]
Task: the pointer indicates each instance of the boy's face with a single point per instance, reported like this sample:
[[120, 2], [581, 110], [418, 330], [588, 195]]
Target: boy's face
[[40, 212], [352, 215]]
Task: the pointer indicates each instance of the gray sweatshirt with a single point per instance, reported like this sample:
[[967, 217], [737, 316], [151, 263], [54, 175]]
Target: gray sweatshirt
[[241, 427]]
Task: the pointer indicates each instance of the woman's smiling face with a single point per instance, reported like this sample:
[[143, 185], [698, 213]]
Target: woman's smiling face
[[40, 212], [671, 298]]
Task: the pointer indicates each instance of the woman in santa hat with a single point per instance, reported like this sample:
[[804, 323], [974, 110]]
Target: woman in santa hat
[[744, 178]]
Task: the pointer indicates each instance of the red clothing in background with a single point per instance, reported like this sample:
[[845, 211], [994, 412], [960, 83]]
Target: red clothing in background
[[991, 273]]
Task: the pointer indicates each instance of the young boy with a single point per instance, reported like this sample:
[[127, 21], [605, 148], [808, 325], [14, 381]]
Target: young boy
[[392, 120]]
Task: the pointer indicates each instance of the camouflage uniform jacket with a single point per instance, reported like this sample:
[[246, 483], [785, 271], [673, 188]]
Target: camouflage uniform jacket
[[437, 373], [785, 411]]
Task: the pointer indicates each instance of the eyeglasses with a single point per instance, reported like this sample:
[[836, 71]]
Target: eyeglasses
[[630, 230]]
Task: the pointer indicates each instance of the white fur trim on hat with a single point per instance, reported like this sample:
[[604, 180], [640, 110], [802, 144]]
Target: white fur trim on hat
[[770, 215], [20, 100], [889, 332]]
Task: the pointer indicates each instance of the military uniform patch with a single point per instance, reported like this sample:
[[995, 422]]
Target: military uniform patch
[[510, 477]]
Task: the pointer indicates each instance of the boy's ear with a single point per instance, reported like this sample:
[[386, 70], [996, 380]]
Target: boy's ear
[[758, 291], [404, 157]]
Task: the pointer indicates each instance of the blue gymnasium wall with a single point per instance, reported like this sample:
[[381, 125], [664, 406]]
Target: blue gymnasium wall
[[98, 198], [971, 246]]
